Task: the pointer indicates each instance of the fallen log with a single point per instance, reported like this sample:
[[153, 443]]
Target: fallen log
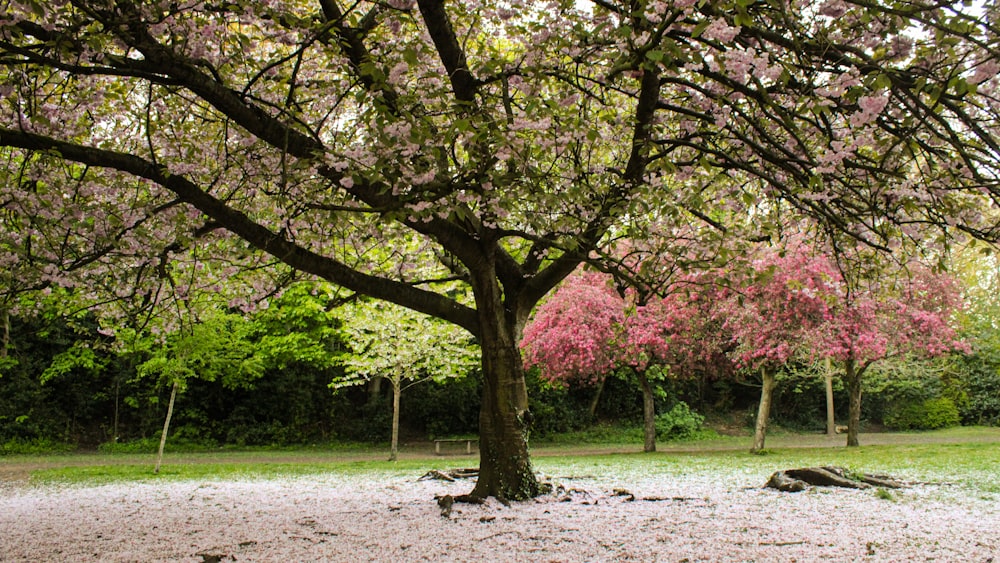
[[795, 480]]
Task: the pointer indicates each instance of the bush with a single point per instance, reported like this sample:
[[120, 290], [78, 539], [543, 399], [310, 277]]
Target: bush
[[39, 446], [678, 423], [140, 446], [974, 384], [929, 414]]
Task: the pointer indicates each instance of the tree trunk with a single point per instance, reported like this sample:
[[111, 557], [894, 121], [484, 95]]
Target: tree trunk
[[166, 426], [597, 397], [114, 431], [648, 412], [853, 376], [505, 470], [831, 417], [5, 323], [763, 410], [394, 444]]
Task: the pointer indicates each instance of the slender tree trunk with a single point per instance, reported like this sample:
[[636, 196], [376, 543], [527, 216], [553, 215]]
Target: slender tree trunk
[[831, 417], [505, 470], [597, 397], [394, 445], [118, 384], [5, 322], [853, 376], [763, 410], [166, 427], [648, 413]]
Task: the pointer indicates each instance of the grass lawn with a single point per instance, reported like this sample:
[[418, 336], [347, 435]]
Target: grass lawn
[[959, 454]]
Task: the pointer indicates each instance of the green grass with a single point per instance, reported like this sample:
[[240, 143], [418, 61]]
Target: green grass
[[617, 435], [217, 466], [960, 455]]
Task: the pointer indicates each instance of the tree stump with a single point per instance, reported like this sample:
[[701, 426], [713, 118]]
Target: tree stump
[[795, 480]]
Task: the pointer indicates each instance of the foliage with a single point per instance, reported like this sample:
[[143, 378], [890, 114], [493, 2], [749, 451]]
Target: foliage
[[299, 328], [679, 423], [444, 408], [404, 347], [34, 447], [974, 379], [976, 384], [213, 349], [928, 414], [908, 311], [557, 408], [576, 333], [775, 312]]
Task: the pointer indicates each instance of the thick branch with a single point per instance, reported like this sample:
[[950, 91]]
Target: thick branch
[[256, 234]]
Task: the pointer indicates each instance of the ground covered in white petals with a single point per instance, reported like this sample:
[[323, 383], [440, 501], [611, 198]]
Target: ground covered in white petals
[[389, 516]]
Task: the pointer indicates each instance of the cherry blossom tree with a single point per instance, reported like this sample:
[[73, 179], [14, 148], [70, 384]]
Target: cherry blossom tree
[[587, 330], [905, 314], [493, 143], [773, 317]]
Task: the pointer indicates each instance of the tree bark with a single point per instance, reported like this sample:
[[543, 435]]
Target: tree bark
[[505, 470], [394, 444], [763, 410], [831, 418], [166, 427], [853, 376], [648, 412]]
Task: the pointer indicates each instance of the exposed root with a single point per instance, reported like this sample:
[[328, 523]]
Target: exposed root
[[471, 499], [451, 475], [445, 503], [795, 480]]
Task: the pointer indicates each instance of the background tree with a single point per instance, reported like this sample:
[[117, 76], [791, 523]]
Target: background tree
[[211, 349], [403, 348], [587, 331], [773, 316], [906, 315], [975, 377]]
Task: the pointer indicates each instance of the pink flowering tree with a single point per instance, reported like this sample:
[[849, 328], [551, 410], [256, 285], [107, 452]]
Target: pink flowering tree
[[786, 297], [395, 148], [588, 330], [907, 316]]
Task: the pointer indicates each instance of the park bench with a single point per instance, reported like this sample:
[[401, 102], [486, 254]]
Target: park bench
[[467, 441]]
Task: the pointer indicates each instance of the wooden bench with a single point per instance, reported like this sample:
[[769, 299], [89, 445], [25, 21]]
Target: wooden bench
[[467, 441]]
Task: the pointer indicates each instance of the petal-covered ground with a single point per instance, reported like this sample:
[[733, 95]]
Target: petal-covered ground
[[701, 516]]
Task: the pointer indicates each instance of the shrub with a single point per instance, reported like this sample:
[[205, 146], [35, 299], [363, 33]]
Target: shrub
[[678, 423], [140, 446], [928, 414], [975, 386], [38, 446]]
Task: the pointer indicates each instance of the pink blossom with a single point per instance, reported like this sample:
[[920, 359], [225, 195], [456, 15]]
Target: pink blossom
[[985, 71], [720, 30]]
